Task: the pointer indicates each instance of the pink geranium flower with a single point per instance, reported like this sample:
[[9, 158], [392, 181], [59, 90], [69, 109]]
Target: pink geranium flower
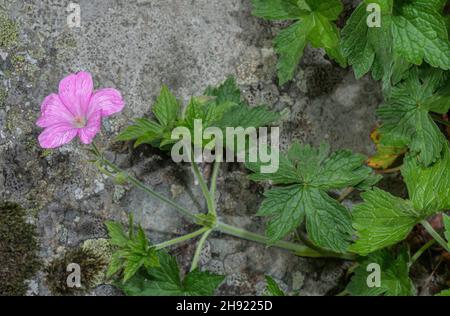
[[76, 110]]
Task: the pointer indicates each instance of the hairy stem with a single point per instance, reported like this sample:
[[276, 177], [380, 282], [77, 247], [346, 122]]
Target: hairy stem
[[300, 250], [198, 250], [215, 173], [388, 171], [181, 239], [209, 199], [145, 188], [422, 250], [435, 235]]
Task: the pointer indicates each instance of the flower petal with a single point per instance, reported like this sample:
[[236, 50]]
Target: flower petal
[[109, 100], [53, 112], [91, 129], [57, 135], [75, 92]]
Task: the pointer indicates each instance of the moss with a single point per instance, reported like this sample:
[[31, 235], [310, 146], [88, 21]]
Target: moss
[[3, 97], [8, 31], [92, 266], [18, 250]]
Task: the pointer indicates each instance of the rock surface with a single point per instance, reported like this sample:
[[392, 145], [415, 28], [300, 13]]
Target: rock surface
[[136, 46]]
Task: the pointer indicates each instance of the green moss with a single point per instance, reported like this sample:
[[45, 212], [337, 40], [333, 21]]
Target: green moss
[[92, 267], [18, 250], [3, 96], [8, 31]]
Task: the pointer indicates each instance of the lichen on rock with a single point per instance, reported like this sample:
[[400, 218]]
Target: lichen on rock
[[8, 31]]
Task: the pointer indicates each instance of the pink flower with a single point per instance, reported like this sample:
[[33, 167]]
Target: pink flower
[[76, 110]]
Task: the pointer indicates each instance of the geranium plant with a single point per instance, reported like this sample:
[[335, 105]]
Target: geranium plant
[[409, 51]]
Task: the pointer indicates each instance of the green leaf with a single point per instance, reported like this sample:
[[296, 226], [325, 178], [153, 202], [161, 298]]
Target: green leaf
[[342, 169], [228, 91], [328, 223], [131, 252], [272, 287], [220, 107], [394, 275], [286, 174], [444, 293], [115, 265], [201, 283], [286, 207], [324, 34], [143, 131], [369, 47], [440, 101], [276, 9], [428, 188], [318, 168], [420, 33], [405, 117], [331, 9], [223, 108], [313, 24], [369, 182], [411, 32], [311, 172], [289, 45], [245, 117], [381, 221], [209, 111], [166, 107], [386, 156], [116, 234], [165, 280]]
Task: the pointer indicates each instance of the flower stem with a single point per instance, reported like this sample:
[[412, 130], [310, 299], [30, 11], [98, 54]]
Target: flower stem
[[215, 173], [198, 250], [299, 250], [145, 188], [345, 194], [435, 235], [422, 249], [181, 239], [388, 171], [209, 199]]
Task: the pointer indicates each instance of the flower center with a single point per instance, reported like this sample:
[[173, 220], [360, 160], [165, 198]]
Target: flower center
[[79, 122]]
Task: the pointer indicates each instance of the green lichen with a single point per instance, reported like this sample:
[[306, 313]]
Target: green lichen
[[18, 250], [19, 63], [92, 266], [8, 31]]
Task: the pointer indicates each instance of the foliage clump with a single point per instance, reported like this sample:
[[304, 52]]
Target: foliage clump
[[18, 250]]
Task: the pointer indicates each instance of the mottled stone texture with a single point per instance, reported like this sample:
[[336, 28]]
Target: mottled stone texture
[[136, 46]]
